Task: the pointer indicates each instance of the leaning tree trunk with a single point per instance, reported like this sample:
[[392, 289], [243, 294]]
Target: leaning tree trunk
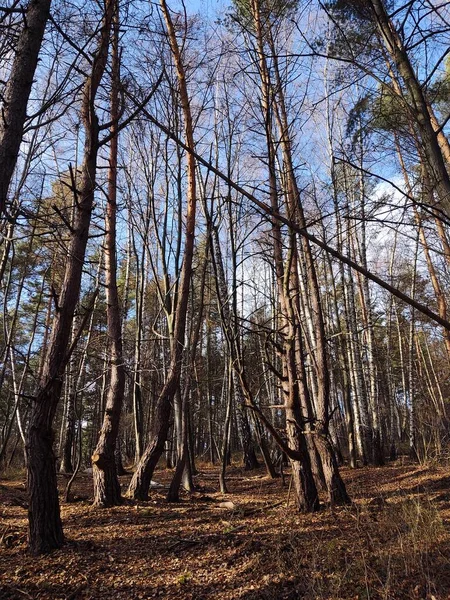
[[45, 528], [17, 91], [432, 150], [140, 482]]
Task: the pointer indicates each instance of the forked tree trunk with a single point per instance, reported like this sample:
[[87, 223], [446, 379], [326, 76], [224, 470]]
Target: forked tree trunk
[[336, 491], [182, 469], [302, 475]]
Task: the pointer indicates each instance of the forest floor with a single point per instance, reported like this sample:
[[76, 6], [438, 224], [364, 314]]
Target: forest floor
[[392, 543]]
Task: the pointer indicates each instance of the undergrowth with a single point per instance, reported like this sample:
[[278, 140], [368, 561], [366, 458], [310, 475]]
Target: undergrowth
[[387, 550]]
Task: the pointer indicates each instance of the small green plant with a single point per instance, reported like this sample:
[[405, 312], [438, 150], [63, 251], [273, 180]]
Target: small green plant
[[184, 578]]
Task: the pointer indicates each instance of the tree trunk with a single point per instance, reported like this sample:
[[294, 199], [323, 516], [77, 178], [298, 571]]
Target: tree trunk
[[302, 476], [17, 91], [306, 491], [295, 210], [226, 432], [106, 484], [423, 119], [67, 449], [249, 459], [45, 529], [337, 493], [140, 482], [228, 321]]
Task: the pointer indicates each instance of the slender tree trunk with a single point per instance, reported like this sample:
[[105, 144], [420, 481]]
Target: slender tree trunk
[[423, 119], [411, 379], [106, 484], [140, 482], [367, 319], [137, 390], [335, 485], [228, 320], [428, 196], [360, 408], [303, 479], [226, 431], [183, 472]]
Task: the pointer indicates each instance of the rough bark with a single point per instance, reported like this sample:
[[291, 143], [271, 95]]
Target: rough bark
[[337, 493], [45, 529], [106, 484], [17, 91], [140, 482]]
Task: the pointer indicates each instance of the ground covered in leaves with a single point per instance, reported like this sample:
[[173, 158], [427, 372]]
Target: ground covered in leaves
[[393, 543]]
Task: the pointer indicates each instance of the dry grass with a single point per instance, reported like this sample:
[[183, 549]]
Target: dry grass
[[393, 543]]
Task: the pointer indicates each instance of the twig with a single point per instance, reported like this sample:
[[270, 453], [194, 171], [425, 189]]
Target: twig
[[75, 592], [21, 593], [262, 508], [289, 492], [183, 541]]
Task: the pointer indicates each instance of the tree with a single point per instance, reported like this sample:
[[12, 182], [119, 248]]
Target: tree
[[106, 484], [140, 482], [17, 90], [45, 528]]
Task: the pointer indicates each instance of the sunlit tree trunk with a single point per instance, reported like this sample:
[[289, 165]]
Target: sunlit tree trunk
[[303, 479], [106, 483], [140, 482], [335, 485], [423, 120]]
